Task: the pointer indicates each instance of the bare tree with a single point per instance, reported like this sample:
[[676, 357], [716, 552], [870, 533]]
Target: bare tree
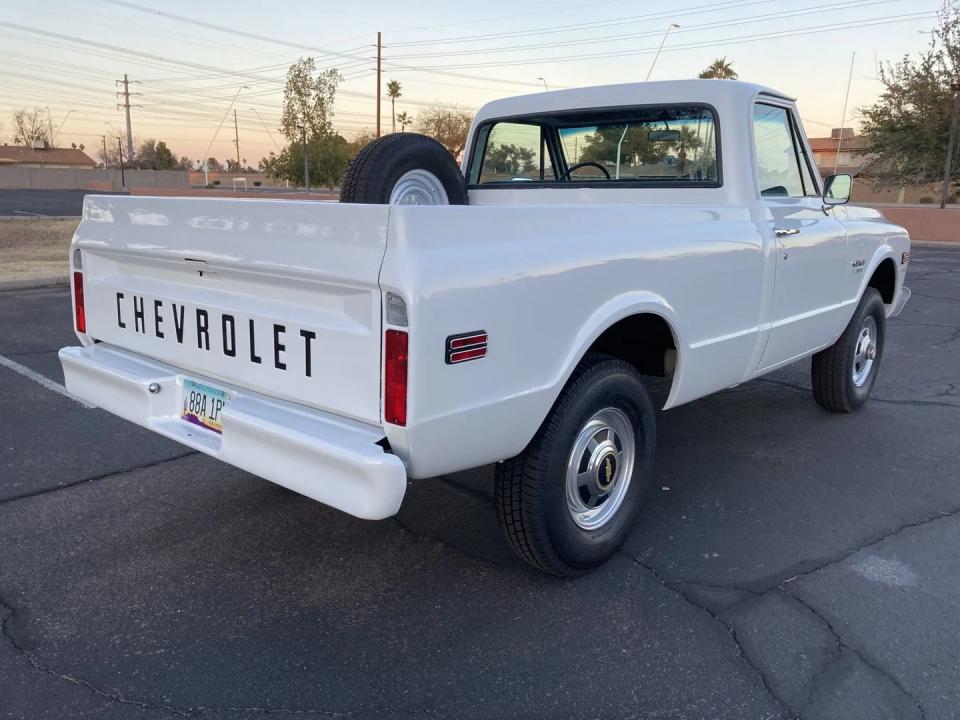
[[448, 125], [29, 126]]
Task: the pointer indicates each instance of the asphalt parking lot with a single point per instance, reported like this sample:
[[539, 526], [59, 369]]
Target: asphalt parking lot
[[55, 203], [69, 203], [788, 563]]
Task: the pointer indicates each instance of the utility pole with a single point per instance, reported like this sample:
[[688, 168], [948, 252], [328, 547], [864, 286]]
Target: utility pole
[[951, 144], [103, 138], [123, 179], [126, 106], [306, 164], [379, 52], [236, 137]]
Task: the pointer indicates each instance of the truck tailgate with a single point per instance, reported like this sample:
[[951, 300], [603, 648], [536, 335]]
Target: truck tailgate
[[280, 297]]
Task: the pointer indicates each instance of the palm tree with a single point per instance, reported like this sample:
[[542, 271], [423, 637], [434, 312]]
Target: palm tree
[[719, 69], [404, 119], [393, 92]]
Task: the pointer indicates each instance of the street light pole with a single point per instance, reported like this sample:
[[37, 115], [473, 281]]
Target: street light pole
[[306, 165], [663, 41], [951, 144], [545, 87]]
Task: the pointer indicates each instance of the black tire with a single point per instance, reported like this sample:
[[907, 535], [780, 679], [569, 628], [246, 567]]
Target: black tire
[[375, 170], [531, 489], [833, 370]]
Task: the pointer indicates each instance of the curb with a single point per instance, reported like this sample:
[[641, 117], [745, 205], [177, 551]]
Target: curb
[[936, 243], [34, 216], [34, 283]]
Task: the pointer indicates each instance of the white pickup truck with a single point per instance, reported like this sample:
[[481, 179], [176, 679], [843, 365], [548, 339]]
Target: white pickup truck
[[505, 315]]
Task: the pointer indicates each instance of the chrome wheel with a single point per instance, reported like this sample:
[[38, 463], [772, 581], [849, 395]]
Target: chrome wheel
[[600, 467], [865, 351], [418, 187]]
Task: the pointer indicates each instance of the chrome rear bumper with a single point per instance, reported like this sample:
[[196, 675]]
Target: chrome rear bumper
[[326, 457]]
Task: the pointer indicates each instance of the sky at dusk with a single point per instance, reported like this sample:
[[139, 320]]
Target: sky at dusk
[[189, 64]]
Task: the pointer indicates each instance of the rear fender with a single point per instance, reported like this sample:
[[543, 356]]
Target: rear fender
[[609, 314]]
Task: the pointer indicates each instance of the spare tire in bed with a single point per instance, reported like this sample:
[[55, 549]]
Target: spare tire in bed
[[404, 169]]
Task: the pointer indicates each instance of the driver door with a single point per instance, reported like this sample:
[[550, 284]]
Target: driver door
[[810, 244]]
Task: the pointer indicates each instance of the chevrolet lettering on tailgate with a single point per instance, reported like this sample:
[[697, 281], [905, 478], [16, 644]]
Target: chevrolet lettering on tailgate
[[163, 319]]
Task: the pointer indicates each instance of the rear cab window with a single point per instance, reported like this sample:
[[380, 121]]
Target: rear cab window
[[650, 146]]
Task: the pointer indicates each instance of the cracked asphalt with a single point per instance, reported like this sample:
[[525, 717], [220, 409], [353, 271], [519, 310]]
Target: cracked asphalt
[[788, 563]]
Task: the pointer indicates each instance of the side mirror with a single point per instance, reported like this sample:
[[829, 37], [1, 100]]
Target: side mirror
[[836, 189]]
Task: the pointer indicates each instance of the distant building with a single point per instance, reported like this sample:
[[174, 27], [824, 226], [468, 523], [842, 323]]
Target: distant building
[[853, 152], [42, 155]]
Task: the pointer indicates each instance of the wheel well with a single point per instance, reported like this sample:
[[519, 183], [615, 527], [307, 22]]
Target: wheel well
[[641, 340], [884, 279]]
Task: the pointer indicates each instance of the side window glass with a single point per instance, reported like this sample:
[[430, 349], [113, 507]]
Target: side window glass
[[777, 169], [809, 186], [514, 153]]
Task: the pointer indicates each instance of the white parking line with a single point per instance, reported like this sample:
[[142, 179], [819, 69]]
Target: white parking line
[[41, 380]]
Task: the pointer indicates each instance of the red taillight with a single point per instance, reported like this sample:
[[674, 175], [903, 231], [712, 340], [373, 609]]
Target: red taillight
[[80, 316], [395, 378]]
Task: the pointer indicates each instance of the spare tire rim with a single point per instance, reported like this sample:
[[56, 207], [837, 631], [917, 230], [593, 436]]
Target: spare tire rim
[[865, 351], [418, 187], [600, 468]]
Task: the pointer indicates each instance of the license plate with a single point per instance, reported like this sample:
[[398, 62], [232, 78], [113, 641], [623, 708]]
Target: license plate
[[203, 405]]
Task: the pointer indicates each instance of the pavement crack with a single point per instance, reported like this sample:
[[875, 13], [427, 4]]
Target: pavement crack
[[198, 711], [844, 645], [96, 478], [36, 664], [873, 398], [846, 554], [748, 661]]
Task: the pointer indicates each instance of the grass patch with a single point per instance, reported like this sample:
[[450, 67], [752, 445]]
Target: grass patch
[[35, 249]]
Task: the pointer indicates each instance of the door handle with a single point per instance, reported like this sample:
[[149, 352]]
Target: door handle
[[783, 232]]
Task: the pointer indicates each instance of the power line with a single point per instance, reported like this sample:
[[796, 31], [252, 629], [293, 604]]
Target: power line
[[233, 31], [736, 40], [580, 26], [831, 7]]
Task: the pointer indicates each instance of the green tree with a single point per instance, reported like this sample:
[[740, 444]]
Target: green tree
[[908, 128], [448, 125], [154, 155], [327, 156], [404, 119], [393, 92], [510, 159], [635, 145], [719, 69], [308, 100]]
